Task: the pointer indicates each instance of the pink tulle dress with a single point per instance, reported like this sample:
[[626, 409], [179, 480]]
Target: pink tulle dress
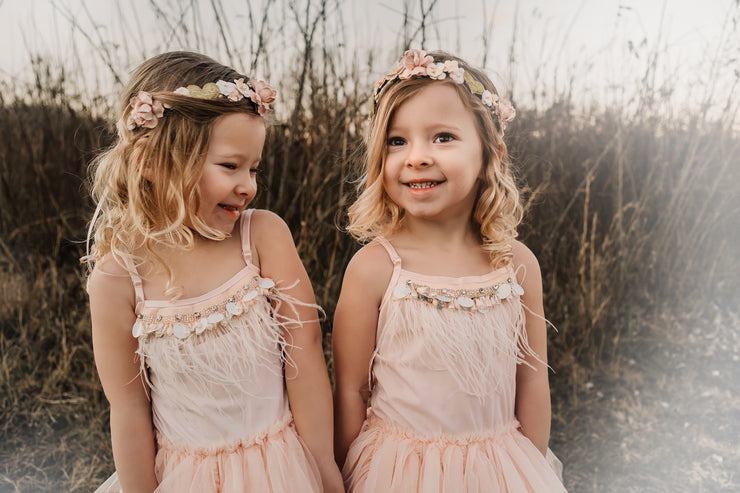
[[441, 415], [214, 365]]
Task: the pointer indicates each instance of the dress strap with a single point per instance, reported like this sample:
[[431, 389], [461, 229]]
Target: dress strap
[[246, 221], [396, 259], [137, 282], [392, 253]]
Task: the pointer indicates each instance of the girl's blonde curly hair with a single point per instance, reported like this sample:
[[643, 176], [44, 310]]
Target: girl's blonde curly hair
[[145, 185], [497, 211]]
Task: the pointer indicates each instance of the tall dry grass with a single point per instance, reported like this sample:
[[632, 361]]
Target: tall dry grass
[[51, 406], [630, 215]]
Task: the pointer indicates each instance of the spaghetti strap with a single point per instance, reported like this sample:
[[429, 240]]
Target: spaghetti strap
[[395, 258], [245, 227], [137, 282]]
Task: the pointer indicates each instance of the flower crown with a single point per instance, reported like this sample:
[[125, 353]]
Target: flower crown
[[416, 63], [146, 111]]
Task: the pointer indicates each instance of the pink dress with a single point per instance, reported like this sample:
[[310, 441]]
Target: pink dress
[[441, 415], [214, 365]]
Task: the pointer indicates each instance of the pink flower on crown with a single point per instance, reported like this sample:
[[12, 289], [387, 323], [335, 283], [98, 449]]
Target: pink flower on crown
[[264, 96], [451, 66], [505, 111], [436, 71], [145, 112], [414, 62]]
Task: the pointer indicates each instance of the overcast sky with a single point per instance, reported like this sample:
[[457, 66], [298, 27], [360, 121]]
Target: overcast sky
[[554, 39]]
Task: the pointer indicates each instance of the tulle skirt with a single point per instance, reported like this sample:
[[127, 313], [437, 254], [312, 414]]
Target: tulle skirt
[[390, 460], [275, 462]]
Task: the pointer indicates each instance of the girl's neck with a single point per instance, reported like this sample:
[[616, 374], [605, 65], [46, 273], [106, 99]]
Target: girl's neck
[[452, 251], [197, 270], [451, 234]]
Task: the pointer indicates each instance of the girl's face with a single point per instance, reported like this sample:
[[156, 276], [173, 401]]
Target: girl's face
[[434, 156], [228, 183]]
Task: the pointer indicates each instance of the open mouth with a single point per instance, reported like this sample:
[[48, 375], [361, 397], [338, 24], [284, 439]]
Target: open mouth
[[420, 185], [234, 211]]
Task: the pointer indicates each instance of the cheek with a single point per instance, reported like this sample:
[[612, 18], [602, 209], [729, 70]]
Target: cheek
[[389, 177], [206, 186]]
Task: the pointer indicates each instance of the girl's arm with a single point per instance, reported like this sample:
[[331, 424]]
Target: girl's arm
[[307, 382], [532, 387], [355, 324], [112, 314]]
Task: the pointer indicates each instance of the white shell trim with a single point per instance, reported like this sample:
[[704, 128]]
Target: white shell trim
[[183, 325], [481, 299]]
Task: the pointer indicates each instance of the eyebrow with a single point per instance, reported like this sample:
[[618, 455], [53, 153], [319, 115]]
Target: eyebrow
[[232, 155], [427, 126]]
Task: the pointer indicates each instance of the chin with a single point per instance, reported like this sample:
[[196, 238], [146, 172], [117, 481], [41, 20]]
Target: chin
[[224, 228]]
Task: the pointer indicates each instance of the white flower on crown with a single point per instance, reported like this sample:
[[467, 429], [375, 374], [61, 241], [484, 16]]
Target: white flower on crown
[[226, 88], [487, 98], [457, 75], [436, 71]]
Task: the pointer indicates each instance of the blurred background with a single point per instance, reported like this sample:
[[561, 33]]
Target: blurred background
[[626, 145]]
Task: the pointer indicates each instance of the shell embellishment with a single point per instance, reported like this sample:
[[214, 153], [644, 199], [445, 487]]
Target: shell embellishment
[[481, 299], [184, 325]]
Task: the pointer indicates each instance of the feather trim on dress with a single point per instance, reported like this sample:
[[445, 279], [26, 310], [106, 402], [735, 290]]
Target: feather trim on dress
[[489, 326], [220, 344]]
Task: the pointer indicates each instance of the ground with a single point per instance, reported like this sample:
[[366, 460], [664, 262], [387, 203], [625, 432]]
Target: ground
[[664, 418]]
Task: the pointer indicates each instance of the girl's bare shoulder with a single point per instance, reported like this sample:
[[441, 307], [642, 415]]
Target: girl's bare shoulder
[[109, 276], [369, 271], [522, 255], [529, 276], [264, 222]]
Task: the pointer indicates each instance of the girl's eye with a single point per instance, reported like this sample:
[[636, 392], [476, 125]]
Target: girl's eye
[[255, 171], [443, 138], [395, 141], [229, 165]]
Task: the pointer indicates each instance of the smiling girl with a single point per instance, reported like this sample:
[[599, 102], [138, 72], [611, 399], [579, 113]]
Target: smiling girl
[[204, 325], [439, 335]]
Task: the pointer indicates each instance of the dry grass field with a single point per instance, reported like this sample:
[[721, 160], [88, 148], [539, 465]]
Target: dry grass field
[[632, 214]]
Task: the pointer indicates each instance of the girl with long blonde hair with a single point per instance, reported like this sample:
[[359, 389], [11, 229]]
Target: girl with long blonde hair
[[439, 334], [204, 326]]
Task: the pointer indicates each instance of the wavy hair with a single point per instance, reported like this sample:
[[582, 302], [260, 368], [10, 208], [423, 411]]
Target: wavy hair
[[497, 211], [145, 186]]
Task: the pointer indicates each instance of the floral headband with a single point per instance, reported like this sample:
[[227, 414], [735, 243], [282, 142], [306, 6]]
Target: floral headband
[[146, 111], [418, 63]]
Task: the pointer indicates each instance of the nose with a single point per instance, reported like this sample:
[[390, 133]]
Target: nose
[[418, 156], [247, 186]]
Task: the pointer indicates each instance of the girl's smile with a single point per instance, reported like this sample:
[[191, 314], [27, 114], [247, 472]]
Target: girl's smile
[[423, 185], [228, 183], [434, 155]]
